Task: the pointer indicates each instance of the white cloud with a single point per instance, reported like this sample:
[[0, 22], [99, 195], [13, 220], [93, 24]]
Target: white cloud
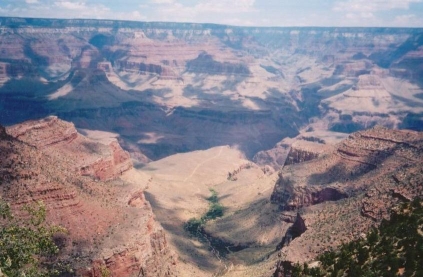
[[372, 5], [358, 16], [219, 11], [226, 6], [408, 20], [163, 1], [31, 1], [71, 5], [70, 9]]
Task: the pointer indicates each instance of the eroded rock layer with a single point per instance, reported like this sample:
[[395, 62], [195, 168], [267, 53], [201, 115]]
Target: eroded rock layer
[[104, 231], [168, 88], [60, 138], [341, 194]]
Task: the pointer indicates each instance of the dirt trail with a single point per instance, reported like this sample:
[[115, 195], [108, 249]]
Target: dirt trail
[[202, 163]]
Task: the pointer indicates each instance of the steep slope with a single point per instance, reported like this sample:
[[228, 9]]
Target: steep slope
[[308, 145], [60, 138], [342, 194], [385, 251], [110, 224]]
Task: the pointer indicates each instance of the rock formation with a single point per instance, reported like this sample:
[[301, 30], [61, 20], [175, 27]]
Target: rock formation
[[304, 147], [104, 231], [58, 137], [303, 150], [343, 193], [296, 229], [291, 198], [209, 85]]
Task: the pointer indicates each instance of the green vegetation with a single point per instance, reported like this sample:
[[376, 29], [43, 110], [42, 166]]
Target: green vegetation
[[27, 247], [393, 249], [194, 226]]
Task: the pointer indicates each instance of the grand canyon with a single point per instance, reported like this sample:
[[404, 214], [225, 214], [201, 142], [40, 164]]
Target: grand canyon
[[302, 138]]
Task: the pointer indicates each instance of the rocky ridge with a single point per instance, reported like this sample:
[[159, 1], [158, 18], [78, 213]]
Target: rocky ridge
[[110, 224], [341, 194], [58, 138], [304, 147]]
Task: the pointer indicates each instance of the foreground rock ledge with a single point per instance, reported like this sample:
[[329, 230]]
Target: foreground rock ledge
[[110, 224]]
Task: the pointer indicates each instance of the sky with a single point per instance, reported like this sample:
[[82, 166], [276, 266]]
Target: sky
[[366, 13]]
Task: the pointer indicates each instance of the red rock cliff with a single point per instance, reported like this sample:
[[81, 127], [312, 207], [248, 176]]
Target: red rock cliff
[[110, 224], [58, 137]]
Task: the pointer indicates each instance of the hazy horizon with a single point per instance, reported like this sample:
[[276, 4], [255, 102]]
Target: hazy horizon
[[271, 13]]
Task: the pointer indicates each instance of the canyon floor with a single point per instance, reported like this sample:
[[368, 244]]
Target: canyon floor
[[179, 188]]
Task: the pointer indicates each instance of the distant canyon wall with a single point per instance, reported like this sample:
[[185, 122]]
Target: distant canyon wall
[[165, 86]]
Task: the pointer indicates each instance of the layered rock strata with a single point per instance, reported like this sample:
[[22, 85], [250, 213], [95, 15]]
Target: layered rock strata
[[344, 192], [164, 86], [110, 226], [57, 137]]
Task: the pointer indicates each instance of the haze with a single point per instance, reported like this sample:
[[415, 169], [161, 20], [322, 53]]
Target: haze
[[359, 13]]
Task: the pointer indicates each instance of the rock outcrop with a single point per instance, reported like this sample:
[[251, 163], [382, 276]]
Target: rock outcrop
[[291, 197], [345, 192], [361, 154], [293, 232], [58, 137], [106, 230], [304, 147], [3, 133], [303, 150]]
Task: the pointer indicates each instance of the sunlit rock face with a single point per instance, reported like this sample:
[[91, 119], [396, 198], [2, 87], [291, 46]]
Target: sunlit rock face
[[104, 160], [110, 225], [346, 191], [176, 87]]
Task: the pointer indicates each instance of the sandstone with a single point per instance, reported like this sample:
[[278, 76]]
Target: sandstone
[[344, 192], [58, 137], [110, 226], [303, 151], [304, 147]]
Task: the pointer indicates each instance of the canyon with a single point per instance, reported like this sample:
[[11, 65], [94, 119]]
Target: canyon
[[308, 137], [166, 87]]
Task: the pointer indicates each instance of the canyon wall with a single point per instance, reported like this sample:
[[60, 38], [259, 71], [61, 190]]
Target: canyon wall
[[177, 87], [110, 225], [346, 191], [60, 138]]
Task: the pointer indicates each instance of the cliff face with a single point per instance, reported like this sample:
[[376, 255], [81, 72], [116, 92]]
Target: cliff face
[[343, 193], [336, 175], [105, 231], [291, 198], [195, 78], [304, 147], [60, 138]]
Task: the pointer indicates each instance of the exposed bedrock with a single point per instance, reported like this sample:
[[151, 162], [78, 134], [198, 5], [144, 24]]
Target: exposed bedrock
[[342, 172], [299, 155], [293, 232], [45, 132], [109, 226], [376, 170], [283, 269], [3, 133], [204, 63], [102, 160], [252, 86], [291, 197], [305, 147]]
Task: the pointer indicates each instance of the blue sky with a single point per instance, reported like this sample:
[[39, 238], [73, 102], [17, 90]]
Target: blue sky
[[391, 13]]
